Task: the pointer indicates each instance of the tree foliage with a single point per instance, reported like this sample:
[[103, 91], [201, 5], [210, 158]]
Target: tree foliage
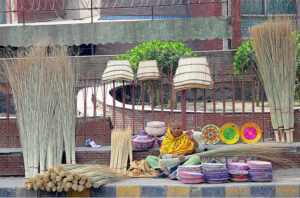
[[165, 53], [244, 55]]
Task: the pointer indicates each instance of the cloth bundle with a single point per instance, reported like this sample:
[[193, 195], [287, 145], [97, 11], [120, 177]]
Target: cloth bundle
[[156, 128], [260, 171], [141, 169], [215, 172]]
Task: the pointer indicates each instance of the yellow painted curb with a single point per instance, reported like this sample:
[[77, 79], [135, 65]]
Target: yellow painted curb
[[84, 193], [128, 191], [178, 192], [287, 191]]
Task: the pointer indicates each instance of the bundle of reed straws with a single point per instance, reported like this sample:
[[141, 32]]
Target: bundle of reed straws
[[76, 177], [121, 149], [42, 80]]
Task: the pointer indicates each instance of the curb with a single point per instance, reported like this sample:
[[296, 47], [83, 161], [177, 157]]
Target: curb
[[200, 190]]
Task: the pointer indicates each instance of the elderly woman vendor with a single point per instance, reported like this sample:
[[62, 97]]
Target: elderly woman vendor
[[176, 144]]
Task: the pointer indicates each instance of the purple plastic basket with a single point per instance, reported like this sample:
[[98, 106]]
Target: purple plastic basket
[[160, 140]]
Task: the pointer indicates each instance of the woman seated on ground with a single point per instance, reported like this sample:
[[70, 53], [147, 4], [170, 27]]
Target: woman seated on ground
[[176, 144]]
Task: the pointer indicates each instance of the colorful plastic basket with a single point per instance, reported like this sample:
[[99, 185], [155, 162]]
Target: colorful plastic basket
[[143, 141]]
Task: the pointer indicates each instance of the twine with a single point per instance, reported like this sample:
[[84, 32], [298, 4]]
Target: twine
[[273, 109]]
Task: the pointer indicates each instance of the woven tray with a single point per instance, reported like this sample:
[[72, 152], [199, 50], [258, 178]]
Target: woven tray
[[239, 180], [239, 172], [213, 166], [210, 134], [257, 164], [238, 166]]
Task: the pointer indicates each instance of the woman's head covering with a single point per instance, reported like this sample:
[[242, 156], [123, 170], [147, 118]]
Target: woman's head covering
[[173, 122], [180, 145]]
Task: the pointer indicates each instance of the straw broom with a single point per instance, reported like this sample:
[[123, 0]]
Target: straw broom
[[121, 149], [66, 106], [275, 47], [262, 150], [264, 67], [15, 77], [37, 83]]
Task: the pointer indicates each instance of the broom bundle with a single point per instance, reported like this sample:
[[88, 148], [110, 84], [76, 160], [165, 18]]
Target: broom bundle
[[264, 151], [121, 149], [42, 82], [67, 177], [275, 48]]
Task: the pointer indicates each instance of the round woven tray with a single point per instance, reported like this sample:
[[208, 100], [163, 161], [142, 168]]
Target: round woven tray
[[239, 172], [239, 180], [258, 164], [213, 166], [250, 133], [210, 134], [238, 166], [230, 133]]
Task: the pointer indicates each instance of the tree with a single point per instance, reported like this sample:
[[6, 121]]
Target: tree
[[245, 55], [165, 53]]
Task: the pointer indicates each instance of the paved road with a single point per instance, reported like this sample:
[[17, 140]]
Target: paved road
[[280, 176]]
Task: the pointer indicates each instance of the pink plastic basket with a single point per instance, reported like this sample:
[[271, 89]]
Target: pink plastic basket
[[143, 141], [148, 144]]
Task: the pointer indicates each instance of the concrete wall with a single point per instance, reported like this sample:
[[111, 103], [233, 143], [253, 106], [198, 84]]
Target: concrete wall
[[200, 10], [80, 14]]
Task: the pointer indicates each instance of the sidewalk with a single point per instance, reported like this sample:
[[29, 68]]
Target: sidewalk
[[286, 183]]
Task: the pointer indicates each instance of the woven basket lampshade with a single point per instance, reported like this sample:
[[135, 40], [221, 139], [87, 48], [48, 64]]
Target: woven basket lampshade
[[117, 70], [192, 73], [148, 70]]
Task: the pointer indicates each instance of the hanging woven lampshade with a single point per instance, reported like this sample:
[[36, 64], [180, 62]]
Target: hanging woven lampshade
[[148, 70], [117, 70], [192, 73]]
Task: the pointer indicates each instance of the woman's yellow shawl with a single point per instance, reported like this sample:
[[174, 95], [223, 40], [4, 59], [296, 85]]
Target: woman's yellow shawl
[[176, 146]]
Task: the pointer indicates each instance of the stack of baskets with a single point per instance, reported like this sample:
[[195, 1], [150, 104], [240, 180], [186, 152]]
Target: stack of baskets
[[215, 172], [156, 128], [260, 171], [190, 174], [238, 171]]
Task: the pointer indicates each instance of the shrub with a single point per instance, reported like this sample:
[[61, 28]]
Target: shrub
[[165, 53]]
